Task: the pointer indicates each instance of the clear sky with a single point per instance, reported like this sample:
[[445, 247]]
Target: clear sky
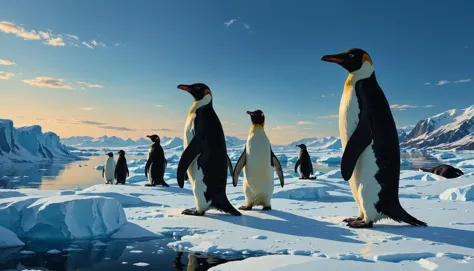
[[112, 67]]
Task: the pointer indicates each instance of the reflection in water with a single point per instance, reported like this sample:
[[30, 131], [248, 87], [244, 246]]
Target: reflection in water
[[53, 175], [114, 255]]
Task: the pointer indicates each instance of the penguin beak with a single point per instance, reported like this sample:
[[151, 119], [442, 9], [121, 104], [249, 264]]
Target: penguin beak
[[185, 87], [149, 136], [338, 58], [250, 113]]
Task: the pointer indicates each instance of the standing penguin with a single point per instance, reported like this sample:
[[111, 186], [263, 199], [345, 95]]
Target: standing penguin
[[371, 158], [108, 172], [121, 169], [303, 164], [156, 164], [205, 154], [258, 160]]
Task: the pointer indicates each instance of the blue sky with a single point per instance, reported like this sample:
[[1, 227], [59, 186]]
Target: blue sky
[[119, 76]]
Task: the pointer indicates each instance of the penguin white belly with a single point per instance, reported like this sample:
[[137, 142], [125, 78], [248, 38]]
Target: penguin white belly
[[150, 178], [109, 169], [364, 186], [258, 172], [195, 175]]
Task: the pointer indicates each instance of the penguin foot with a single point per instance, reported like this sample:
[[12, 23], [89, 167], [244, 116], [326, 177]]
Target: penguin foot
[[165, 184], [192, 212], [267, 208], [149, 184], [350, 219], [245, 208], [358, 224]]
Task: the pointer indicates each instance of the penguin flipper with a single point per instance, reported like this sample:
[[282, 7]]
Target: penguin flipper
[[276, 164], [298, 162], [229, 165], [358, 142], [188, 156], [238, 167]]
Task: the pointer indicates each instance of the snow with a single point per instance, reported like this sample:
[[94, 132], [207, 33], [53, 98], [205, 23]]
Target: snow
[[303, 231], [462, 193], [330, 158], [62, 217], [9, 239]]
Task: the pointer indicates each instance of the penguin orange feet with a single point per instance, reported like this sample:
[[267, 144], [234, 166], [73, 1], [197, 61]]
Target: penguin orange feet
[[192, 212], [350, 219], [245, 208], [359, 224], [267, 208]]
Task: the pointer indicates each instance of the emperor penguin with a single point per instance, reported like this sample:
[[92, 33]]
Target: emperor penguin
[[205, 156], [304, 164], [156, 164], [371, 152], [258, 161], [108, 172], [121, 169]]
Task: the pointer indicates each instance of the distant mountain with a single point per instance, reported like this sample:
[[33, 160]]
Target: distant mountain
[[232, 141], [103, 141], [404, 131], [452, 129], [317, 142], [30, 144], [169, 143]]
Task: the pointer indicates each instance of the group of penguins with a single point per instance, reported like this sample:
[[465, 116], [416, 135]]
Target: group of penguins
[[370, 160]]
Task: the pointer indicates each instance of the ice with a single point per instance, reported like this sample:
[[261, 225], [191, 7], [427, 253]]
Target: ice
[[54, 251], [9, 239], [140, 264], [462, 193], [99, 167], [62, 217], [10, 193], [133, 231], [444, 155], [330, 158], [466, 164], [399, 257], [302, 190], [125, 200]]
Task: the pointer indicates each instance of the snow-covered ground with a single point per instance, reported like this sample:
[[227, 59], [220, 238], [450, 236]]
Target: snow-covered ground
[[303, 231]]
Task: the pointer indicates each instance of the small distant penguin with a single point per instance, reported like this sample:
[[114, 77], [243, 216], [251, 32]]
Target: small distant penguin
[[258, 160], [304, 164], [108, 172], [156, 164], [371, 157], [121, 169], [205, 154], [446, 171]]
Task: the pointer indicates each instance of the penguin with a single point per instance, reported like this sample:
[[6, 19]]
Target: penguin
[[205, 156], [446, 171], [371, 152], [259, 160], [156, 164], [121, 169], [108, 172], [304, 164]]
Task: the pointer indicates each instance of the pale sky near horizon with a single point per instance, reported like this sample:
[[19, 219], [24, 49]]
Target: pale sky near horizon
[[112, 67]]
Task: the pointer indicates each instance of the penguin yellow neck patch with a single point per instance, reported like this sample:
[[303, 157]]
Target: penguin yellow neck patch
[[348, 81], [365, 58]]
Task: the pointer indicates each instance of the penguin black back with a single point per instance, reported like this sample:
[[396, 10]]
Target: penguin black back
[[156, 164], [121, 168], [304, 163]]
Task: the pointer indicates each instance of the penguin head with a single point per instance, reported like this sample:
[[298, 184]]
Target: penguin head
[[352, 60], [198, 90], [154, 138], [257, 117], [110, 154], [302, 146], [121, 153]]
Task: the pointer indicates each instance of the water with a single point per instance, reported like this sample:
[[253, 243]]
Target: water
[[55, 175], [114, 255], [82, 174]]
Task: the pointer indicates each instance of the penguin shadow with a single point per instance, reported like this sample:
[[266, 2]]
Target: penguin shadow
[[450, 236], [173, 188], [292, 224]]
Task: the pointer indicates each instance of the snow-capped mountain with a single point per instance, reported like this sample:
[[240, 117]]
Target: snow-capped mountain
[[30, 144], [103, 141], [452, 129], [169, 143], [403, 132], [232, 142], [329, 142]]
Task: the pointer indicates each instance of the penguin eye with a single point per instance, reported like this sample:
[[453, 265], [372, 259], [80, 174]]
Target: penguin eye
[[261, 114], [351, 55]]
